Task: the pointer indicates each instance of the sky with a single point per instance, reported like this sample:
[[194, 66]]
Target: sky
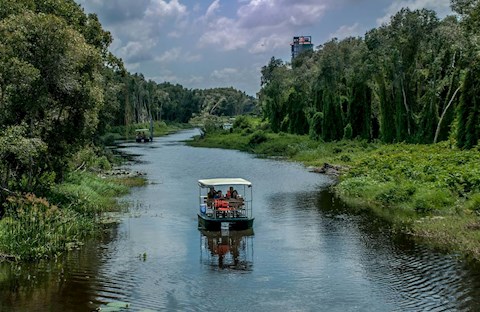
[[225, 43]]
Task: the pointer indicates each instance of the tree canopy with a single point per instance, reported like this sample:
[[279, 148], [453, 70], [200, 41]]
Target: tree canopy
[[410, 80]]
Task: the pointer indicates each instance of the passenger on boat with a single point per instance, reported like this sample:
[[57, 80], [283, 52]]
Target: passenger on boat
[[219, 194], [211, 194], [232, 193]]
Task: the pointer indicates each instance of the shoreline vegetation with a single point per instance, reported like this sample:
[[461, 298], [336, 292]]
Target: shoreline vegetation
[[44, 226], [431, 192]]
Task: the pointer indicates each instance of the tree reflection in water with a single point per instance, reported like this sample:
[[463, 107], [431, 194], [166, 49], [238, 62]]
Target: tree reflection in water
[[230, 250]]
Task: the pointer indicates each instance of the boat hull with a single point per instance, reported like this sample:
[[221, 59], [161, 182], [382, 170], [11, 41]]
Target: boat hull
[[234, 224]]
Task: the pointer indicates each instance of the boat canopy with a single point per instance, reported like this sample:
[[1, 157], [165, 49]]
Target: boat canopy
[[223, 181]]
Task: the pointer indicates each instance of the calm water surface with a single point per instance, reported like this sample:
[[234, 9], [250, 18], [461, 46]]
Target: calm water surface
[[305, 253]]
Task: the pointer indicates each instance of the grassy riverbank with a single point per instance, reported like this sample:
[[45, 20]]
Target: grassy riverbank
[[61, 216], [429, 191], [37, 227]]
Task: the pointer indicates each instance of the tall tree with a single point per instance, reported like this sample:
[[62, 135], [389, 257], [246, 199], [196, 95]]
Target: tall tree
[[468, 112], [57, 72]]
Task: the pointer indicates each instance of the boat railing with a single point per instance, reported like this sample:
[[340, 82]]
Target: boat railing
[[226, 207]]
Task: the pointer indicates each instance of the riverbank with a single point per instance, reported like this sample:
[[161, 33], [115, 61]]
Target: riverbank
[[431, 192], [60, 217], [36, 227]]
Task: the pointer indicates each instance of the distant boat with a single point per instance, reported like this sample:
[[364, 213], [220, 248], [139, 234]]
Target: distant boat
[[232, 211], [141, 136]]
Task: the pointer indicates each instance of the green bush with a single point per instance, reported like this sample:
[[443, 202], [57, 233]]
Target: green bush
[[247, 131], [394, 193], [89, 158], [242, 122], [109, 138], [473, 203], [358, 187], [257, 137], [432, 200]]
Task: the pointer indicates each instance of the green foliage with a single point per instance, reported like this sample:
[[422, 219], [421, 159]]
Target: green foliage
[[23, 162], [33, 228], [359, 187], [393, 193], [433, 200], [397, 84], [225, 102], [87, 194], [64, 91], [348, 132], [89, 158], [275, 92], [473, 203], [316, 126], [242, 122], [257, 137], [468, 129]]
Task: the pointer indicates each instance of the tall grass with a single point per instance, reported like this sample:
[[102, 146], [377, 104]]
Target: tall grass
[[35, 227]]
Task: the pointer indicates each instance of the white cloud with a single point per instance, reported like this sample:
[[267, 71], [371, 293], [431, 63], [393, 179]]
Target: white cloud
[[212, 9], [442, 7], [160, 8], [224, 34], [347, 31], [176, 54], [191, 58], [135, 51], [169, 56], [224, 73], [259, 25], [267, 13]]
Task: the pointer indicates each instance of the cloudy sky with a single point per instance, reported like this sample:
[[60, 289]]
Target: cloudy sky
[[223, 43]]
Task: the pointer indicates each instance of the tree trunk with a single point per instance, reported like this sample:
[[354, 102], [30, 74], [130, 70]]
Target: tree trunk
[[406, 107], [443, 114]]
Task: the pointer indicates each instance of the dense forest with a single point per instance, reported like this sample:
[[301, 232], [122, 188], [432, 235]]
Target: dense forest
[[61, 89], [411, 80]]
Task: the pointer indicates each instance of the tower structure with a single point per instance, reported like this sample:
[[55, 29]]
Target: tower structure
[[301, 44]]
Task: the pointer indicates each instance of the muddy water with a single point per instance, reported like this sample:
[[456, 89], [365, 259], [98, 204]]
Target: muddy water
[[307, 252]]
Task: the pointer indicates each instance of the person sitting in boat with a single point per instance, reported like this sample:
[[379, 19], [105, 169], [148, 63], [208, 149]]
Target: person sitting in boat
[[232, 193], [219, 194], [211, 194]]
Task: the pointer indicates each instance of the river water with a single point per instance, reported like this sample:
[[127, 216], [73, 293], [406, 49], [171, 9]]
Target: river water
[[306, 252]]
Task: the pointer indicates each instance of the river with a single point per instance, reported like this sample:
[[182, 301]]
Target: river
[[306, 252]]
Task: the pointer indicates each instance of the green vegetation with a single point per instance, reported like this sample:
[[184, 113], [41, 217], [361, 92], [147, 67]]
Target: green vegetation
[[63, 96], [411, 80], [35, 227], [430, 191]]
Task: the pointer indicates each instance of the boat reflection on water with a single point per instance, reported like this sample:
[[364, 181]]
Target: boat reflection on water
[[227, 250]]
